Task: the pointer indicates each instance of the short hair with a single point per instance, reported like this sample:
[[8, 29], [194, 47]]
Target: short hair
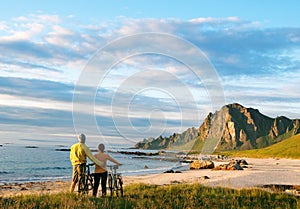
[[101, 147], [81, 138]]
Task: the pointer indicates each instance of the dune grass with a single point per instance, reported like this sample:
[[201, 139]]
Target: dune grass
[[288, 148], [151, 196]]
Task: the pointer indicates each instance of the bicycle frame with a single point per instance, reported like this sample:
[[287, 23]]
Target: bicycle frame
[[86, 182], [115, 182]]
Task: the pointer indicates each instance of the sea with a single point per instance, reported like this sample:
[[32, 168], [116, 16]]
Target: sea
[[20, 163]]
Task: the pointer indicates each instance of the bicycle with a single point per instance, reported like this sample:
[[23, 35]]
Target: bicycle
[[86, 182], [115, 181]]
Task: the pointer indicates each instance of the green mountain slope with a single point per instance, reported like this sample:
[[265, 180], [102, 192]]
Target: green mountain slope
[[289, 148]]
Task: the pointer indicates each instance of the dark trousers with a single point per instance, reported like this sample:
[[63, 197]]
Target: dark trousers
[[97, 178]]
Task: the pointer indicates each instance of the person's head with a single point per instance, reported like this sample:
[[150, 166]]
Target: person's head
[[101, 147], [81, 138]]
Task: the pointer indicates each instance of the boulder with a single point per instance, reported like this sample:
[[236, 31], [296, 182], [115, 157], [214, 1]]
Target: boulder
[[169, 171], [242, 162], [172, 171], [204, 177], [233, 165], [206, 164]]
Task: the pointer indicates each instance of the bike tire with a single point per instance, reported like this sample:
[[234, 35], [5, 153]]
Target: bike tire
[[110, 185], [116, 187], [86, 185], [90, 183], [81, 184], [120, 186]]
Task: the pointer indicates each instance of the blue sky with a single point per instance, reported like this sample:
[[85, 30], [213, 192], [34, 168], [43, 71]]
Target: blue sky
[[253, 48]]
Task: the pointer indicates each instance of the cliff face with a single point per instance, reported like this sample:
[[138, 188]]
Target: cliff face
[[232, 127], [166, 142], [238, 127]]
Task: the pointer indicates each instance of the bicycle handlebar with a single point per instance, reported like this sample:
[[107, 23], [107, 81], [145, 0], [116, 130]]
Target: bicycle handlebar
[[113, 166], [90, 164]]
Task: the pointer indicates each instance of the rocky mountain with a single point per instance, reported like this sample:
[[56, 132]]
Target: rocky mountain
[[232, 127], [167, 142]]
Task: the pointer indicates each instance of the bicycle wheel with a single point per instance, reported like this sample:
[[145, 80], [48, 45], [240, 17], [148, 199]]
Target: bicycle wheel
[[82, 184], [116, 187], [110, 184], [86, 185], [90, 182], [120, 186]]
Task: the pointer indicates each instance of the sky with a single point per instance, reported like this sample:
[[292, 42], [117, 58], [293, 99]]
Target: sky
[[122, 71]]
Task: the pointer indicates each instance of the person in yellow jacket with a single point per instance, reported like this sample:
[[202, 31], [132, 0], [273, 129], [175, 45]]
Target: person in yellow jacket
[[78, 154]]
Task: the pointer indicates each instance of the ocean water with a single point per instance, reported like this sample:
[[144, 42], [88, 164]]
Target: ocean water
[[19, 163]]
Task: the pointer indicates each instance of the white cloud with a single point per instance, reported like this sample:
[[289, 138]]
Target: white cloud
[[133, 26], [29, 31], [57, 41], [59, 30], [276, 94], [27, 70], [55, 19], [26, 27], [232, 60], [258, 66], [3, 26], [233, 19], [62, 37], [201, 20], [30, 102], [23, 134]]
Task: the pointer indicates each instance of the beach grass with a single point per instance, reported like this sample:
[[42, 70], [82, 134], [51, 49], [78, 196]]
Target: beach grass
[[152, 196]]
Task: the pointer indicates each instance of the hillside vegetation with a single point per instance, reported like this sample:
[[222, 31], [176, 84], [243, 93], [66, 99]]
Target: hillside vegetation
[[289, 148]]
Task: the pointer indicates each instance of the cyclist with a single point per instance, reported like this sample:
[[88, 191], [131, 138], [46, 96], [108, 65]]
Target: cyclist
[[101, 172], [78, 154]]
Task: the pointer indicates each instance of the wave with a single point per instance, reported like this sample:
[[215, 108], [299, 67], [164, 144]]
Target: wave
[[51, 168], [178, 167], [6, 172], [35, 179]]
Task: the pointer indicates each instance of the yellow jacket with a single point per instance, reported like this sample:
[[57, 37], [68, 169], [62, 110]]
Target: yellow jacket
[[79, 152]]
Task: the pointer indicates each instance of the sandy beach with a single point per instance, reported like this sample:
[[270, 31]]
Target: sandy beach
[[259, 172]]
